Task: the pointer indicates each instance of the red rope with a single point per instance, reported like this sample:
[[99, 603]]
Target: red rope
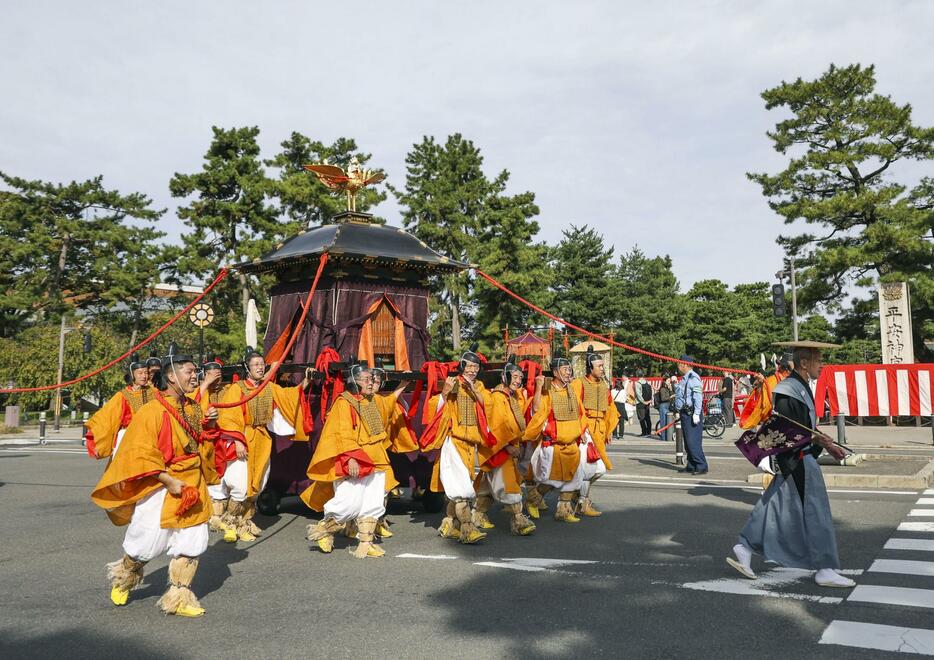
[[607, 340], [288, 347], [220, 276]]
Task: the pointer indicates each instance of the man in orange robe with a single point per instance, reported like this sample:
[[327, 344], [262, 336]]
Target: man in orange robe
[[499, 477], [558, 426], [458, 429], [106, 427], [157, 484], [211, 391], [245, 444], [350, 468], [400, 437], [758, 406], [601, 417]]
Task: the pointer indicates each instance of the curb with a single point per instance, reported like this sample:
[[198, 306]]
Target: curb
[[923, 478]]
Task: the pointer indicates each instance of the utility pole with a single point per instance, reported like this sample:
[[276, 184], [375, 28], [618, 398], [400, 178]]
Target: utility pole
[[794, 298], [61, 368], [778, 293]]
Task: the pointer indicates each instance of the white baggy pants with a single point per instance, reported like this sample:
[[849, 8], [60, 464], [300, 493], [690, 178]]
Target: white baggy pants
[[146, 538], [235, 482], [496, 486], [541, 470], [363, 497], [591, 471], [456, 479]]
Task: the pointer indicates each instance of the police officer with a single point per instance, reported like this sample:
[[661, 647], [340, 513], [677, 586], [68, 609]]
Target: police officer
[[689, 402]]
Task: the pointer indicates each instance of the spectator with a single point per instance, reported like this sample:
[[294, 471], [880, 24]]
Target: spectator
[[643, 391], [726, 399], [745, 384], [619, 400], [666, 395], [630, 388]]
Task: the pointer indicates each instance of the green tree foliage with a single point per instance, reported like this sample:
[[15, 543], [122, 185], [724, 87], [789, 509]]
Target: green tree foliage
[[229, 221], [31, 360], [730, 327], [70, 247], [445, 204], [845, 142], [648, 310], [582, 279], [509, 253], [302, 198]]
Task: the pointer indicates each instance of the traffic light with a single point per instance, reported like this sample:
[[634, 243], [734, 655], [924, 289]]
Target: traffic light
[[778, 300]]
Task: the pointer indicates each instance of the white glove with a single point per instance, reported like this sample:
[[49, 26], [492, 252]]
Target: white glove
[[696, 418]]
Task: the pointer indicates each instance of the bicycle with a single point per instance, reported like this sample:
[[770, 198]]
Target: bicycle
[[714, 420]]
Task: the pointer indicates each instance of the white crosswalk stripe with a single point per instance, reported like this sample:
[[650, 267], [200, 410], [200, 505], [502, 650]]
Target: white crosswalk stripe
[[883, 588]]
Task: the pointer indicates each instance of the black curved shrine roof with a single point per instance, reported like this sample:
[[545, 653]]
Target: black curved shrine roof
[[355, 241]]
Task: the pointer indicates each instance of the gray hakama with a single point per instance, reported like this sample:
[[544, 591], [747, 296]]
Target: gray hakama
[[790, 532]]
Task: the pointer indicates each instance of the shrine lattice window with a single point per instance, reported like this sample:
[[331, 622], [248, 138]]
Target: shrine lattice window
[[384, 335]]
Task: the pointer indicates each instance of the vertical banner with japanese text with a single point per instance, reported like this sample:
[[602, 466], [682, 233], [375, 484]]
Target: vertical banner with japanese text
[[895, 323]]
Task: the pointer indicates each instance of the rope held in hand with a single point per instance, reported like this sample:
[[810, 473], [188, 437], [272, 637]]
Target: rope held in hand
[[269, 377]]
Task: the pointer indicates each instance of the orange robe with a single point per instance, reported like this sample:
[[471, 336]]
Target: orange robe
[[600, 423], [758, 406], [247, 423], [508, 430], [564, 435], [111, 418], [156, 442], [466, 438], [344, 436], [400, 438]]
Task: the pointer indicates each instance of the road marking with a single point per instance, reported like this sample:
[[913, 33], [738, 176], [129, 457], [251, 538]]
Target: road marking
[[684, 483], [879, 637], [926, 500], [409, 555], [764, 586], [921, 513], [871, 593], [924, 545], [902, 567], [515, 567], [916, 527], [929, 491]]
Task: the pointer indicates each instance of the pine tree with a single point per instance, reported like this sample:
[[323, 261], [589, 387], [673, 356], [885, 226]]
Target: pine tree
[[582, 275], [443, 204], [508, 252], [648, 310], [302, 198], [845, 143], [69, 247], [228, 218]]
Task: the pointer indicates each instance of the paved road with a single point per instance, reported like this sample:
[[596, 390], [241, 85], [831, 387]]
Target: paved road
[[646, 580]]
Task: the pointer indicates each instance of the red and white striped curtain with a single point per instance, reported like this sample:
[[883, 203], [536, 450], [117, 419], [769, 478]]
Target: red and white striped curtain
[[875, 390]]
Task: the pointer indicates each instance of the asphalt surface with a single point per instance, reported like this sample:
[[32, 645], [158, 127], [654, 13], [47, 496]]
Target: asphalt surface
[[645, 580]]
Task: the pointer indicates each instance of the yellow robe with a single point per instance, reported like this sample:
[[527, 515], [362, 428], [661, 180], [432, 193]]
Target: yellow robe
[[505, 428], [344, 435], [466, 439], [238, 423], [600, 424], [399, 438], [105, 424], [567, 453], [132, 475]]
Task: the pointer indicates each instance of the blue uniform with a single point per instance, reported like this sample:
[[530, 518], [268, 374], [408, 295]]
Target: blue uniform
[[690, 391]]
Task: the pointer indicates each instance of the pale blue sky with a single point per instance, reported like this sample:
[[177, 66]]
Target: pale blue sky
[[639, 119]]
